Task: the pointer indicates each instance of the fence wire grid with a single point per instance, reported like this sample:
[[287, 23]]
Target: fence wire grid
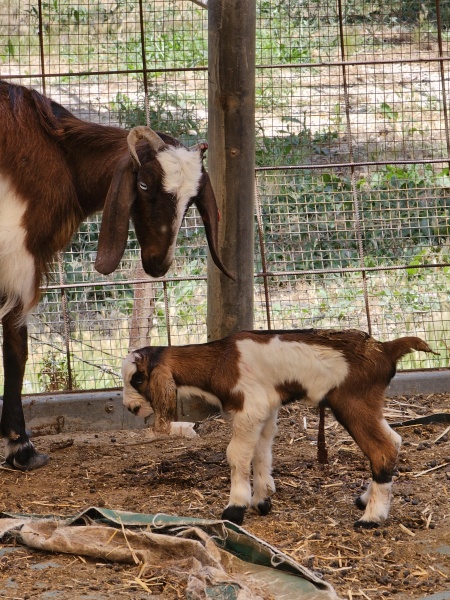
[[352, 182]]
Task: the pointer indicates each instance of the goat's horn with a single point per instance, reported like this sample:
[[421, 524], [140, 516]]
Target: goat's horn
[[202, 147], [143, 132]]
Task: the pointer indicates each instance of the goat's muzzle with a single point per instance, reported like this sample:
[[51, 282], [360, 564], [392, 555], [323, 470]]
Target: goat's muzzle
[[155, 267], [140, 409]]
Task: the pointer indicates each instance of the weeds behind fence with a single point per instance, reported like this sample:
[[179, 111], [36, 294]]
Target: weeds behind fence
[[353, 150]]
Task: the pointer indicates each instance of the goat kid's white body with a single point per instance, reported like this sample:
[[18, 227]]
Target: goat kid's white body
[[16, 287], [261, 368], [317, 368], [250, 374]]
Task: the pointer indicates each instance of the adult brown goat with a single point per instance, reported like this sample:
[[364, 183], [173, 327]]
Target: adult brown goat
[[56, 170]]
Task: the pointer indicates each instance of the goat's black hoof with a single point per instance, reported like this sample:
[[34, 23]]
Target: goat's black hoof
[[235, 514], [36, 462], [359, 503], [25, 458], [265, 506], [365, 524]]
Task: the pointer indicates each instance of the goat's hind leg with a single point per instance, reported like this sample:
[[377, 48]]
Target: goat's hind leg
[[376, 500], [20, 452], [362, 501], [380, 444], [263, 483]]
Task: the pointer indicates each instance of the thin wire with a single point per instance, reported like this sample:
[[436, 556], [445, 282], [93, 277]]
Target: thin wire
[[352, 171], [442, 74], [144, 62], [65, 313], [41, 46], [263, 253], [167, 313]]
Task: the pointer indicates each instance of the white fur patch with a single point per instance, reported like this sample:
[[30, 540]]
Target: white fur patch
[[17, 271], [396, 438], [365, 497], [263, 483], [318, 369], [239, 456], [182, 172], [187, 390], [131, 397], [378, 502]]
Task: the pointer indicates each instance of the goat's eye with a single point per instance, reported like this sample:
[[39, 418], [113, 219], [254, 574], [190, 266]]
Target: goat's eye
[[142, 185], [137, 380]]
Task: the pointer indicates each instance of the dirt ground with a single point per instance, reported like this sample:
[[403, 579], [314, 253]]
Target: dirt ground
[[311, 520]]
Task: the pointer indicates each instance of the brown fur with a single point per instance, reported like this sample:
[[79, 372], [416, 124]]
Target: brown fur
[[163, 387], [214, 367], [357, 401], [61, 169]]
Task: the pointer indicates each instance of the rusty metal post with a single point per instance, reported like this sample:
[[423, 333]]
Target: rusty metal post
[[231, 160]]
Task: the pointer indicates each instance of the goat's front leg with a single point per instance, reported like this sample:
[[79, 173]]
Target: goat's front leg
[[240, 452], [20, 452], [263, 483]]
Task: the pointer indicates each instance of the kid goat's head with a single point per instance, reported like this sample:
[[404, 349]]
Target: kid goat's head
[[148, 387], [155, 185]]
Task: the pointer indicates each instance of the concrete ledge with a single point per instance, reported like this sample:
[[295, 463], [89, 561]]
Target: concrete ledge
[[420, 382], [95, 411], [104, 411], [88, 411]]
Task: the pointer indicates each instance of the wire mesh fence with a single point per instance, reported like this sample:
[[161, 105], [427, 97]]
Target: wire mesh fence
[[352, 182]]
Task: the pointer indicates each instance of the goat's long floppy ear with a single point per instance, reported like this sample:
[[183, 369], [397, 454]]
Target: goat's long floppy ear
[[207, 207], [116, 215], [163, 392]]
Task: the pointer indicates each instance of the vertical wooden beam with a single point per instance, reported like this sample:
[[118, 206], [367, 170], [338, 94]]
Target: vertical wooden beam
[[231, 160]]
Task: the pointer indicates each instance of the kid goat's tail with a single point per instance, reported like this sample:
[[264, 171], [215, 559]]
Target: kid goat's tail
[[396, 349]]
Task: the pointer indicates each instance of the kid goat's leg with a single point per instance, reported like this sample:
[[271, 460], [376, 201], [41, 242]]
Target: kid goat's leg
[[380, 444], [263, 484], [247, 429], [363, 500]]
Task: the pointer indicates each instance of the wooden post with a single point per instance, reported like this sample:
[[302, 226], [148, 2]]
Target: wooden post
[[143, 311], [231, 161]]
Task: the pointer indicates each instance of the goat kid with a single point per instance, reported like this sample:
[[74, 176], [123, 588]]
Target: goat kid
[[251, 374], [55, 170]]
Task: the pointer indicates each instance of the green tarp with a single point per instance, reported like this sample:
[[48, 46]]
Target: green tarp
[[222, 560]]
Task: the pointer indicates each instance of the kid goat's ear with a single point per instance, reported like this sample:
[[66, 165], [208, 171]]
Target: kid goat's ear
[[163, 394]]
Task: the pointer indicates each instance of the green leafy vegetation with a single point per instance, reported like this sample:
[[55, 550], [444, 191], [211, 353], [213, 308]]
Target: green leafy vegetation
[[309, 217]]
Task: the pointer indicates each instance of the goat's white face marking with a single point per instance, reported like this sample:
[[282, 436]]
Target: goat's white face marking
[[131, 397], [14, 285], [182, 172], [317, 368]]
